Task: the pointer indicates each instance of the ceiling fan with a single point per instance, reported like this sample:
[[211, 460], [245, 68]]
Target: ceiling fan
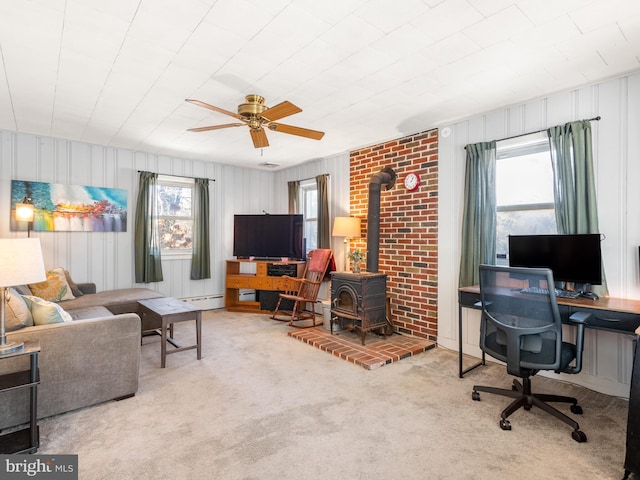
[[257, 116]]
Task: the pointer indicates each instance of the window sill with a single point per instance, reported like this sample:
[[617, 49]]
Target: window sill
[[176, 256]]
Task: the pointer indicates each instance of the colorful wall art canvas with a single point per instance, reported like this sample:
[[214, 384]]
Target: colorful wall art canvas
[[70, 208]]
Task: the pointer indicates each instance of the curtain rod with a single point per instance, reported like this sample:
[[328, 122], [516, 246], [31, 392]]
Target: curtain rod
[[178, 176], [311, 178], [538, 131]]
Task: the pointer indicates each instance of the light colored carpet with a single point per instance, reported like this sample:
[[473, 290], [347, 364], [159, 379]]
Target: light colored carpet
[[262, 405]]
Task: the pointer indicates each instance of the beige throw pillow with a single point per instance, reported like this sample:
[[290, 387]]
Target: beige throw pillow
[[17, 313], [44, 312], [55, 288]]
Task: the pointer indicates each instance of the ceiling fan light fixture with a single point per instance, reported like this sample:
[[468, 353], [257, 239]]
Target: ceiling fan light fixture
[[253, 108], [257, 116]]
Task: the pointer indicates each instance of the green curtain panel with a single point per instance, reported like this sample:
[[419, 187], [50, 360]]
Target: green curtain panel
[[148, 261], [324, 222], [201, 257], [294, 196], [574, 182], [479, 217]]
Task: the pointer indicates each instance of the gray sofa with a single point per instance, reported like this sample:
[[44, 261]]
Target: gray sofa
[[93, 359]]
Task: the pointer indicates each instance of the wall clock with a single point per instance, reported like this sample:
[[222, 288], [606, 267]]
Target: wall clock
[[411, 181]]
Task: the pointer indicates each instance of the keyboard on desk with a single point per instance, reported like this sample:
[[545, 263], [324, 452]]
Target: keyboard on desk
[[544, 291]]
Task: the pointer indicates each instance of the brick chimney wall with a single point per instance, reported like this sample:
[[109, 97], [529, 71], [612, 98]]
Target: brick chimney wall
[[408, 227]]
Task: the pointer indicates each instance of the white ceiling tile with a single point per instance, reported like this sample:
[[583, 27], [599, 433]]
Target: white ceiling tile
[[239, 16], [378, 14], [142, 59], [320, 55], [185, 14], [330, 11], [351, 34], [499, 27], [607, 38], [181, 81], [600, 14], [630, 27], [122, 9], [490, 7], [404, 41], [543, 11], [250, 68], [384, 80], [447, 18], [449, 50], [364, 63], [158, 30], [485, 60], [558, 30]]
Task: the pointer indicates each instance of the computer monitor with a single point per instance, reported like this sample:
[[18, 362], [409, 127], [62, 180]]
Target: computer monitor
[[571, 258]]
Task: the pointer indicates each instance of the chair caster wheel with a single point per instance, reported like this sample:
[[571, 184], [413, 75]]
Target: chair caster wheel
[[577, 409], [475, 396], [527, 407], [506, 425], [579, 436]]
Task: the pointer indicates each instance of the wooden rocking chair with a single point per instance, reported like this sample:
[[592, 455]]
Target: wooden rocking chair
[[304, 289]]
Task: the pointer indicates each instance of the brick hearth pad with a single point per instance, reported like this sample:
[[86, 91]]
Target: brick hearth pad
[[378, 350]]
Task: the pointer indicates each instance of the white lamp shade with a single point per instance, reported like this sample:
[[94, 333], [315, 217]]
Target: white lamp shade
[[348, 227], [21, 262]]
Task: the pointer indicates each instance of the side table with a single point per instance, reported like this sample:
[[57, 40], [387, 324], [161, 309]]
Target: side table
[[166, 311], [26, 440]]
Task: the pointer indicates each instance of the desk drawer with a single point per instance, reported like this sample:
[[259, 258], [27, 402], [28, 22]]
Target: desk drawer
[[238, 281], [469, 299], [261, 283], [607, 320]]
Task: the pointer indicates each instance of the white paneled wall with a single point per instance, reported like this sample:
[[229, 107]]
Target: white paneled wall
[[337, 167], [616, 142], [107, 258]]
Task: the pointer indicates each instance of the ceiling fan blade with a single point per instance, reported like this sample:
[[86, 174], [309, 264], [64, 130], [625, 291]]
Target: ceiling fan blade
[[215, 109], [259, 138], [281, 110], [215, 127], [302, 132]]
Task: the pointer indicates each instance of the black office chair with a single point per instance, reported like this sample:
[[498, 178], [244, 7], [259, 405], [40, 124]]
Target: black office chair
[[525, 331]]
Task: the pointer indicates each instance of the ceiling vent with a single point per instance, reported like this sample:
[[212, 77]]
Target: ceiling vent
[[268, 165]]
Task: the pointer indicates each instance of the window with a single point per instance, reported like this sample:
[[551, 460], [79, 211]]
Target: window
[[524, 190], [309, 206], [175, 215]]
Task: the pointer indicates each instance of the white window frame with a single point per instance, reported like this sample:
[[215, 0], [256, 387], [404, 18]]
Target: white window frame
[[168, 180], [307, 186], [511, 149]]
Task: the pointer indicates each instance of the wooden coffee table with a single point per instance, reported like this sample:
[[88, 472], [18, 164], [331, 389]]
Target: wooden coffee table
[[167, 311]]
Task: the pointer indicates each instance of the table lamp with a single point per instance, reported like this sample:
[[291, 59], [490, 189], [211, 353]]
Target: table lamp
[[347, 227], [20, 264]]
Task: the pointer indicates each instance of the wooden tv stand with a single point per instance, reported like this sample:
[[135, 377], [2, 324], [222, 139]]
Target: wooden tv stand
[[261, 280]]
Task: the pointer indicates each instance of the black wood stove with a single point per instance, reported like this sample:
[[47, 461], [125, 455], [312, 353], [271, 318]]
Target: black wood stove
[[359, 300]]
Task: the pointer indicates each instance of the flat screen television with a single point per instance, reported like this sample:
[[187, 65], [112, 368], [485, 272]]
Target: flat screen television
[[571, 258], [268, 236]]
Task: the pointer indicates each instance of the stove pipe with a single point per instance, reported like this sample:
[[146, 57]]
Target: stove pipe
[[387, 177]]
